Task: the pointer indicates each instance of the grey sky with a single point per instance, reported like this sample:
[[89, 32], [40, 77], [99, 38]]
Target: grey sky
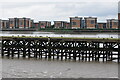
[[59, 10]]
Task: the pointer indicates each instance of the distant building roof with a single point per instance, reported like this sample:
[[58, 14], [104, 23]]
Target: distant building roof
[[76, 17], [90, 17], [60, 21], [44, 21], [101, 22]]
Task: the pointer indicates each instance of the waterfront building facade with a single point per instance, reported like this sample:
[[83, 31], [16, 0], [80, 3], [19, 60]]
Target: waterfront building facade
[[90, 22], [0, 23], [75, 22], [118, 20], [101, 26], [20, 23], [5, 24], [67, 25], [112, 24], [44, 24], [60, 24], [36, 25]]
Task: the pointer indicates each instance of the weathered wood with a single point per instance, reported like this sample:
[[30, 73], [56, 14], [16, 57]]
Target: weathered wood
[[61, 48]]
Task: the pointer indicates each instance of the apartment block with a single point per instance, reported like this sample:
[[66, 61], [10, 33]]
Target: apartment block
[[60, 24], [36, 25], [119, 20], [44, 24], [11, 22], [67, 25], [83, 24], [101, 26], [5, 24], [112, 24], [90, 22], [28, 23], [20, 23], [0, 23], [75, 22]]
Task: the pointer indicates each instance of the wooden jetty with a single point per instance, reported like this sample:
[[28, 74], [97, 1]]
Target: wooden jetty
[[61, 48]]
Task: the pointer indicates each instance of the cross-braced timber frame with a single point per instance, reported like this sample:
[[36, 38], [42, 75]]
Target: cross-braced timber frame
[[81, 49]]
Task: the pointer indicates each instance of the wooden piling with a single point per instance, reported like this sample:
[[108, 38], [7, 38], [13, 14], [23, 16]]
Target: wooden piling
[[51, 48]]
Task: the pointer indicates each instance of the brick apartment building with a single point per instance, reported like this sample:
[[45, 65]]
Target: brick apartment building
[[5, 24], [44, 24], [36, 25], [118, 20], [112, 24], [75, 22], [90, 22], [20, 23], [0, 23], [67, 25], [60, 24], [101, 26]]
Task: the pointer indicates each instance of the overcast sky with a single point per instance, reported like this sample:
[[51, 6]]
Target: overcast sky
[[58, 9]]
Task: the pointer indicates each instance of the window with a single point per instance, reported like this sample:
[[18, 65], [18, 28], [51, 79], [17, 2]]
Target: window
[[92, 21], [11, 22], [115, 23], [21, 23], [104, 25], [119, 22], [74, 23], [42, 24], [58, 24]]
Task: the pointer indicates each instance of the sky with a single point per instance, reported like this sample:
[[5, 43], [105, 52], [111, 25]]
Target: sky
[[58, 10]]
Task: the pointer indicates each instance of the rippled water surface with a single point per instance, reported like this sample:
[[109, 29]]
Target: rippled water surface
[[19, 68]]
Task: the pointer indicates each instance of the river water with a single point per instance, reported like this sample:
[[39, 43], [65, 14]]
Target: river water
[[51, 34], [24, 68]]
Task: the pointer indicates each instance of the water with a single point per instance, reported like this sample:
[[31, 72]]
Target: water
[[24, 68], [15, 68], [51, 34]]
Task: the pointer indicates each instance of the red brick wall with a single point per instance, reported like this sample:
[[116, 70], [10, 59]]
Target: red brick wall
[[77, 24], [21, 23], [100, 25], [27, 22], [114, 26], [118, 16], [89, 25], [67, 25], [11, 25], [43, 24], [49, 24], [57, 24]]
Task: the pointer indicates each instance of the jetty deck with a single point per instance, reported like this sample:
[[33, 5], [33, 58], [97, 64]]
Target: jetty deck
[[62, 48]]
